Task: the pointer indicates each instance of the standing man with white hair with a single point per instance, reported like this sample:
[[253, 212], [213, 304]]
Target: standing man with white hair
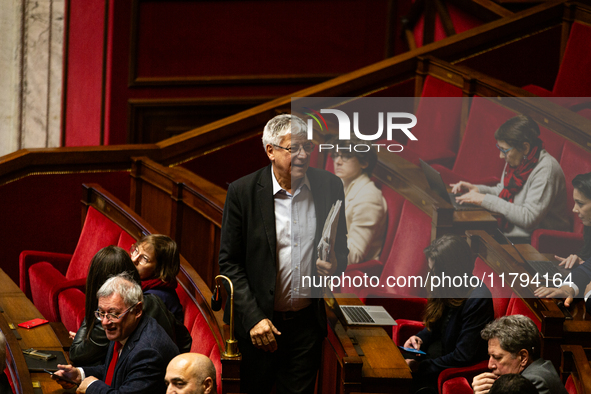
[[139, 348], [272, 223]]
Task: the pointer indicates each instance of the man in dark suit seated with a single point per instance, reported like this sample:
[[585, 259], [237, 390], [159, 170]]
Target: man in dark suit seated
[[190, 373], [272, 223], [139, 349], [514, 347]]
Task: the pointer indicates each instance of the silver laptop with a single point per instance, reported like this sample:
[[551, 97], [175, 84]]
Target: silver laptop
[[438, 186], [367, 315]]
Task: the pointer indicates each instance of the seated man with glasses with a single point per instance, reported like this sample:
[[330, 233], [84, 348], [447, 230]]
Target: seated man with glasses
[[139, 347], [365, 207]]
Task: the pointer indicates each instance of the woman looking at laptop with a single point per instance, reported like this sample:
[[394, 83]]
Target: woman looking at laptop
[[454, 316], [532, 191]]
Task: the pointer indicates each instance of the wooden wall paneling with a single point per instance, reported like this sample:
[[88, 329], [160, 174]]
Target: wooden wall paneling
[[198, 241], [341, 37], [187, 205], [154, 120], [360, 82]]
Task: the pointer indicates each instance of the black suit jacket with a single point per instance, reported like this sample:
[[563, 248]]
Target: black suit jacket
[[248, 243], [142, 363]]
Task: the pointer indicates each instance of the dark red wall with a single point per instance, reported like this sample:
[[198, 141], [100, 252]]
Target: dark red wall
[[133, 60], [44, 213]]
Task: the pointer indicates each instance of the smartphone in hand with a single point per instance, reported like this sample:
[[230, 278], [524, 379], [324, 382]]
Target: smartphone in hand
[[65, 379], [411, 350]]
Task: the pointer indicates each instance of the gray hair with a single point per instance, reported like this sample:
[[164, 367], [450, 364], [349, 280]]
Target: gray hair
[[280, 126], [514, 332], [124, 285]]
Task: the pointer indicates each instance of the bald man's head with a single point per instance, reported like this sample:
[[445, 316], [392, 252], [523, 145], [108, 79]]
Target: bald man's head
[[190, 373]]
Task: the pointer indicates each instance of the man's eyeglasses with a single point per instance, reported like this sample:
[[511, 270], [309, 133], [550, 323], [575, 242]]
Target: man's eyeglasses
[[294, 149], [111, 316], [504, 151], [134, 250]]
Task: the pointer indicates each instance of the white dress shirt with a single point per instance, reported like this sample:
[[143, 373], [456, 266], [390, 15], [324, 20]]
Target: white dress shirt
[[295, 227]]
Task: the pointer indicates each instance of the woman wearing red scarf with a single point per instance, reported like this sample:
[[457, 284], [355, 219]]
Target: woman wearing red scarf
[[156, 257], [532, 191]]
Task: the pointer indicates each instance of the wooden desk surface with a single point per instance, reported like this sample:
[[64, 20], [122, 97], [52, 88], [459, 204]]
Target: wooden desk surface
[[17, 309], [383, 364], [409, 181]]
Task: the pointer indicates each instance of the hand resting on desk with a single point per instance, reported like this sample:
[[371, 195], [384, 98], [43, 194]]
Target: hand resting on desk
[[566, 292]]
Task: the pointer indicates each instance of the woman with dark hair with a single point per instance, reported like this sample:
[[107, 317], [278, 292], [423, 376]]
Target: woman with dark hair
[[582, 197], [90, 344], [157, 260], [581, 274], [365, 207], [532, 191], [454, 316]]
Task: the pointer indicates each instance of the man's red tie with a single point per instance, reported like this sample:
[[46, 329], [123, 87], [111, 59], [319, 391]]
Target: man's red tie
[[113, 362]]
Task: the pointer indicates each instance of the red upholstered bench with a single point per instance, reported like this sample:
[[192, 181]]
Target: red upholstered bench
[[204, 341], [478, 159], [44, 275]]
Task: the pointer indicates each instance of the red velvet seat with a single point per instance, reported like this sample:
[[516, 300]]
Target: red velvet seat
[[575, 160], [438, 131], [405, 259], [458, 385], [573, 79], [72, 306], [461, 21], [394, 202], [478, 159], [71, 302], [44, 275], [203, 340]]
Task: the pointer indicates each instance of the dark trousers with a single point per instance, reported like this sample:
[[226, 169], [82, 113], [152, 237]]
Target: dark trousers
[[293, 366]]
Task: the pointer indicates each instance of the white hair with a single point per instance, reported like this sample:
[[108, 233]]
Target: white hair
[[280, 126], [124, 285]]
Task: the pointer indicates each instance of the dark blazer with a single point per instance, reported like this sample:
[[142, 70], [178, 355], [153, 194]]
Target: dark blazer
[[142, 363], [248, 243], [581, 276], [93, 351], [461, 342], [544, 376]]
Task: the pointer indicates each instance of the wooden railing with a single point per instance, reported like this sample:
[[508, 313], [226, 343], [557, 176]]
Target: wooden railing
[[378, 78]]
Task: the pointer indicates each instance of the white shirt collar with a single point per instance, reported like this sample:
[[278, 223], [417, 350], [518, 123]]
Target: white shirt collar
[[277, 188]]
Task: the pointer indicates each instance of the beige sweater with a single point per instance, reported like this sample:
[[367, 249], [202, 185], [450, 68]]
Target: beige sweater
[[365, 211]]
